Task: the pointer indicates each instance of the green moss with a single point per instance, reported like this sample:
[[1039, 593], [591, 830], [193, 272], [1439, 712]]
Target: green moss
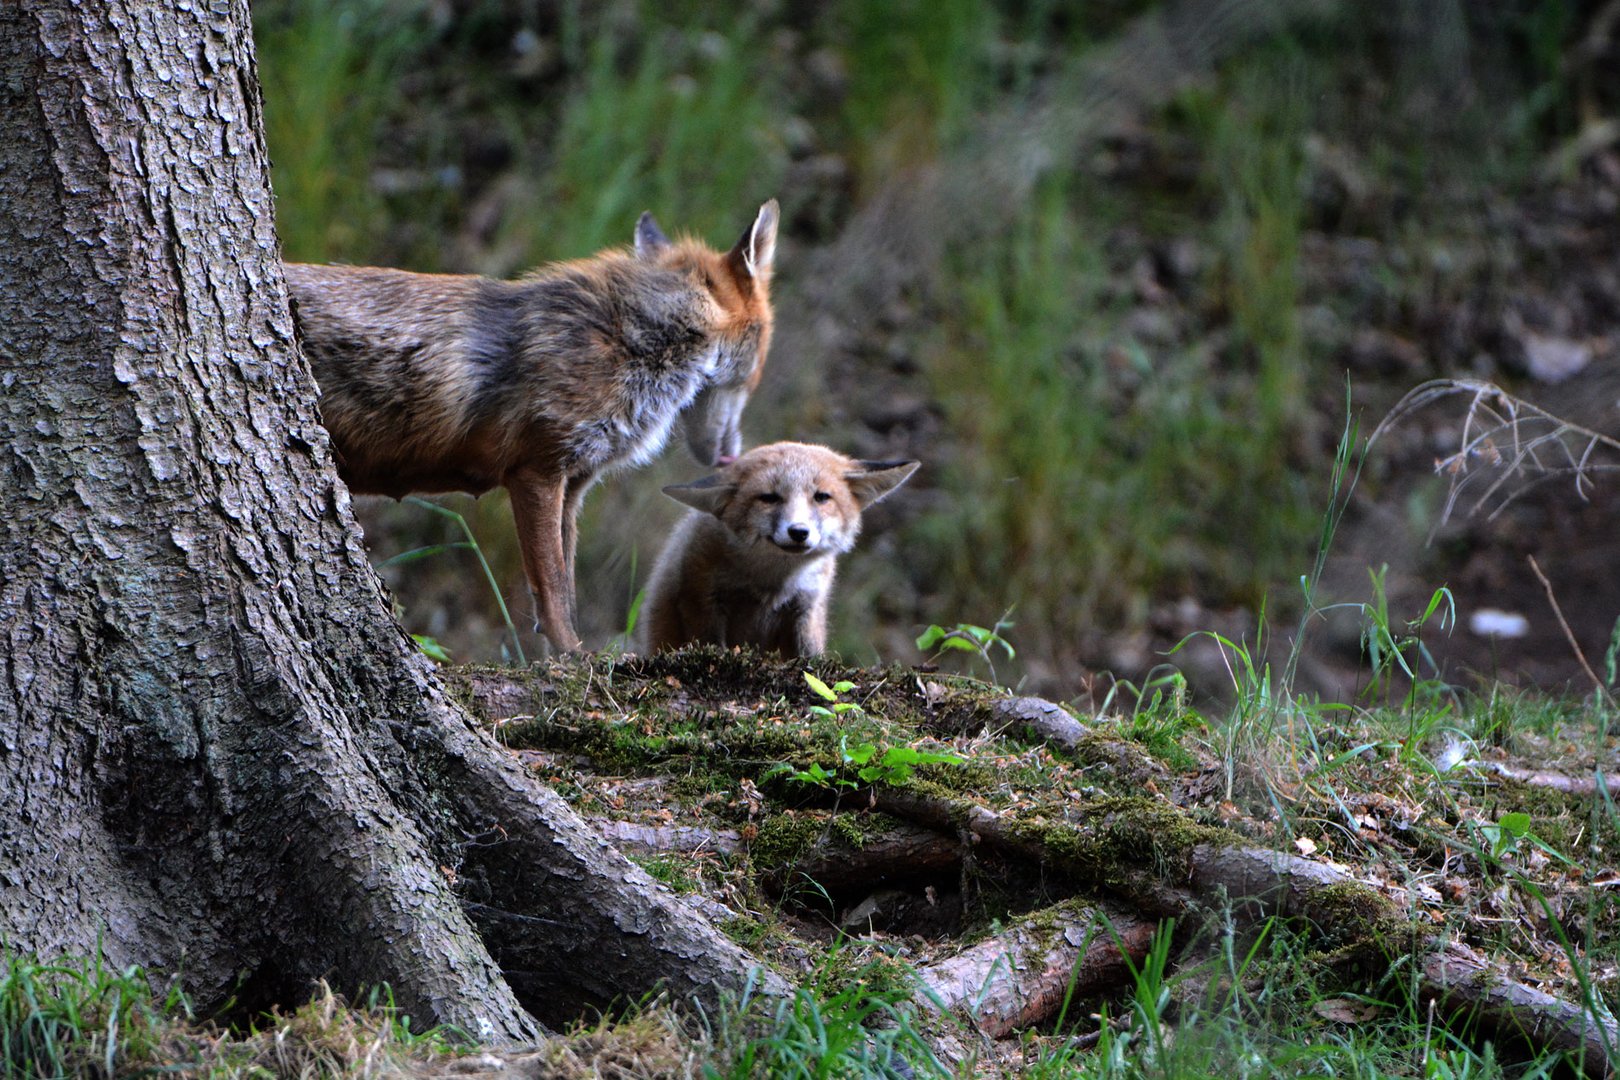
[[1119, 836], [1350, 913], [746, 931], [868, 969], [849, 830], [673, 870], [783, 838]]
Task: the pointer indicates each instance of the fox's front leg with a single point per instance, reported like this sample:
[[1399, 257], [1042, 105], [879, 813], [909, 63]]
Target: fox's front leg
[[573, 498], [539, 511], [810, 629]]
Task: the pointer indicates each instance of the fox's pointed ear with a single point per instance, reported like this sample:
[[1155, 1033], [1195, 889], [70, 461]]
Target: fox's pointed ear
[[756, 250], [875, 479], [709, 494], [650, 239]]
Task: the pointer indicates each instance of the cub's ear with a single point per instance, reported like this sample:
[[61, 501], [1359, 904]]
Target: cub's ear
[[650, 239], [709, 494], [875, 479], [756, 250]]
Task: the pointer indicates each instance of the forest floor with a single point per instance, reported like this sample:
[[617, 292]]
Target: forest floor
[[900, 824]]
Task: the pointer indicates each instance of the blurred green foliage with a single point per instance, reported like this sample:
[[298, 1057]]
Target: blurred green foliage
[[1088, 466]]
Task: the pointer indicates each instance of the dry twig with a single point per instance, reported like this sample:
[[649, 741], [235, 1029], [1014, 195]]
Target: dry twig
[[1569, 635], [1513, 438]]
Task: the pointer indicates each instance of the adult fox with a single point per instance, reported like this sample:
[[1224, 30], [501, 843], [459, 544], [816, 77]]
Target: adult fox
[[440, 382]]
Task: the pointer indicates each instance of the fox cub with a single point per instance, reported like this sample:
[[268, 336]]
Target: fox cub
[[754, 564], [438, 382]]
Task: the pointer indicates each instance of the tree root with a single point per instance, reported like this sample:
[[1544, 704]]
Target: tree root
[[1025, 974], [1273, 883]]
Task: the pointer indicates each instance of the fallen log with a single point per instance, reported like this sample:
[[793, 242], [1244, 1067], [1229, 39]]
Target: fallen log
[[1569, 785], [1024, 975], [902, 852], [1460, 980]]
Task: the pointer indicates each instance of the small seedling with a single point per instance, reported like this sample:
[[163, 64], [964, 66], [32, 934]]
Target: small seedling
[[1511, 831], [831, 693], [965, 637], [870, 763], [895, 765]]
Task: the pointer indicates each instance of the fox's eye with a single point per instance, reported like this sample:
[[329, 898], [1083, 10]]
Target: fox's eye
[[823, 496], [770, 498]]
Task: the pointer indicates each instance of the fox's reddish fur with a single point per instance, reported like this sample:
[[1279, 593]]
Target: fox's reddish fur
[[753, 562], [435, 382]]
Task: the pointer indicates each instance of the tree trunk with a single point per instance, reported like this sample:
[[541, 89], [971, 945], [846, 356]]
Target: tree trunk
[[219, 754]]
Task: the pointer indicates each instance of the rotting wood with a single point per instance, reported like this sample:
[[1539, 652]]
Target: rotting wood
[[1460, 980], [1024, 975], [1163, 876], [900, 852], [1045, 719]]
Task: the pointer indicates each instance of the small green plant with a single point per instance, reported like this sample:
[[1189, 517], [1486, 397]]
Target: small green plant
[[1161, 716], [837, 707], [865, 763], [871, 766], [431, 647], [965, 637], [1390, 648], [428, 645], [632, 615], [1511, 831], [894, 765]]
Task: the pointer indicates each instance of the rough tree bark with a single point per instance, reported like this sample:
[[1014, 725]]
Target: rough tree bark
[[219, 754]]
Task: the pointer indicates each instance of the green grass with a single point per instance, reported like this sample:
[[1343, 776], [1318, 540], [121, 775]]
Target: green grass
[[331, 75], [845, 1023], [1096, 472], [1227, 1017], [80, 1018], [917, 69], [682, 121]]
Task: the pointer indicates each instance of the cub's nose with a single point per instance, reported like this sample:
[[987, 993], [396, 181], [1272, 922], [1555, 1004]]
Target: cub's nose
[[798, 533]]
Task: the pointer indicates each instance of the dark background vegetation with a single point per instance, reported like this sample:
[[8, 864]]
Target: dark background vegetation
[[1106, 268]]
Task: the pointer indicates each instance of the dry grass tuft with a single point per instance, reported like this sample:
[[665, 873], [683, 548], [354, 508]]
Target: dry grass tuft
[[1507, 444]]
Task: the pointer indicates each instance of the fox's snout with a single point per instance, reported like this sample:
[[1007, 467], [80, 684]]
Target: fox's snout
[[797, 529], [714, 425]]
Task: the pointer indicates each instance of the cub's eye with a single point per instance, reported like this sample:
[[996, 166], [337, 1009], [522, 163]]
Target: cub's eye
[[823, 496], [770, 498]]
